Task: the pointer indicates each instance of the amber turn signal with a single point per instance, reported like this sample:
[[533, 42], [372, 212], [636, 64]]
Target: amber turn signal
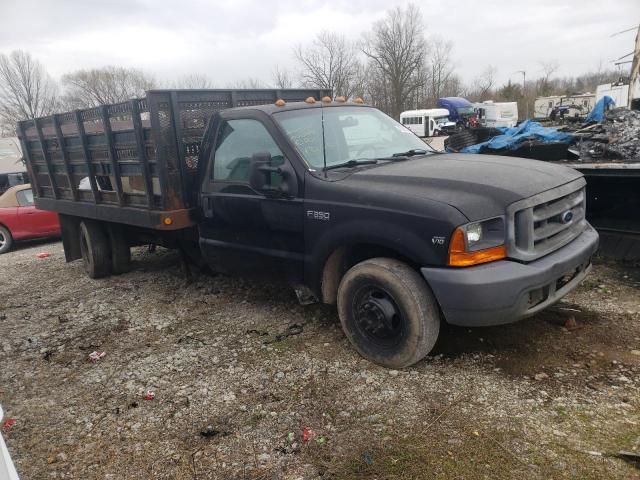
[[460, 257], [167, 220]]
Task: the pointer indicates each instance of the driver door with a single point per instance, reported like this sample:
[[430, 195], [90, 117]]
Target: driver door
[[244, 230]]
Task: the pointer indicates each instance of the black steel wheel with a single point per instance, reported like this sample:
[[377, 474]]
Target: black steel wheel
[[388, 312], [377, 316]]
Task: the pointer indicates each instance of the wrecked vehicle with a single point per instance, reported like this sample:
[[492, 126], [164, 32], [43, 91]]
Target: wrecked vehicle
[[348, 204]]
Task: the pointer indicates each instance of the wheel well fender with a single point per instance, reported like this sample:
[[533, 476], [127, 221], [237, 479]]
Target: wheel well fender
[[344, 257], [7, 228]]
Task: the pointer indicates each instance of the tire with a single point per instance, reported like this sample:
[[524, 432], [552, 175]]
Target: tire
[[120, 250], [95, 249], [388, 312], [6, 240], [458, 141]]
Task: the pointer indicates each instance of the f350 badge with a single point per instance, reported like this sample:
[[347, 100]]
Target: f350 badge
[[315, 215]]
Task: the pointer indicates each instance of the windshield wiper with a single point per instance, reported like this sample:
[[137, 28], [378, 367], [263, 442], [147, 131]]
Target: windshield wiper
[[351, 164], [410, 153]]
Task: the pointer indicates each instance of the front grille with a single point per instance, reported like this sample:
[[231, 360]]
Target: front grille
[[545, 222]]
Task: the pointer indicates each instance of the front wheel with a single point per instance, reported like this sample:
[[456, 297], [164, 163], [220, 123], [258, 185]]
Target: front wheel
[[388, 312]]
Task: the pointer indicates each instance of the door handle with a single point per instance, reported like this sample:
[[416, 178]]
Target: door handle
[[207, 208]]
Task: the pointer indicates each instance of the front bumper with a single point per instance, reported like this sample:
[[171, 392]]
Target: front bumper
[[506, 291]]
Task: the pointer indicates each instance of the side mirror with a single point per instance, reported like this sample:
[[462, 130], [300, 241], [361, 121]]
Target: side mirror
[[272, 181]]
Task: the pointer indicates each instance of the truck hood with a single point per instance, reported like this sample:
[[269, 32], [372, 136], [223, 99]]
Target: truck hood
[[480, 186]]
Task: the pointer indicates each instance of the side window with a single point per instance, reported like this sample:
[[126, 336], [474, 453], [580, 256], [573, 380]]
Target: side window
[[237, 142], [25, 197]]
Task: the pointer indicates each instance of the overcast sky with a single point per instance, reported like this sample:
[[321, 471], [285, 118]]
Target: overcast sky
[[234, 40]]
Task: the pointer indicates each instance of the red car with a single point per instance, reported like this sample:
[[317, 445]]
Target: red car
[[21, 220]]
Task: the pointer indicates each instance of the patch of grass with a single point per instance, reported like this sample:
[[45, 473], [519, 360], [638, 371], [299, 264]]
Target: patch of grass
[[417, 457], [463, 453]]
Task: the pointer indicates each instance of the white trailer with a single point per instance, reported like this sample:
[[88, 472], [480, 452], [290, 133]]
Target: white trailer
[[542, 106], [427, 122], [497, 114], [618, 91]]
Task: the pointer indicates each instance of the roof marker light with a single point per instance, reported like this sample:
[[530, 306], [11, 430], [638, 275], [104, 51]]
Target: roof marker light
[[280, 102], [326, 99], [310, 100], [341, 99], [358, 100]]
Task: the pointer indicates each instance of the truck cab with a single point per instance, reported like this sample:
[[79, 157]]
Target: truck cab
[[460, 110], [357, 209]]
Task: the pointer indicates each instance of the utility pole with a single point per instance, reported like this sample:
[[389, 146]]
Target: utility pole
[[524, 86]]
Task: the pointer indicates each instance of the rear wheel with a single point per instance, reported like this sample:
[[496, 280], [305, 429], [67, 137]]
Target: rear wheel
[[95, 249], [388, 312], [6, 240], [120, 250]]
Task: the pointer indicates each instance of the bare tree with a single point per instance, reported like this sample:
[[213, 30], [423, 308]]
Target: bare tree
[[193, 81], [453, 87], [483, 84], [396, 48], [251, 83], [99, 86], [330, 61], [282, 78], [26, 90], [544, 83], [440, 66]]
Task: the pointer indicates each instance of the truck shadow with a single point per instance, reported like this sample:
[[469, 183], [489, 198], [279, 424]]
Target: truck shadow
[[37, 242]]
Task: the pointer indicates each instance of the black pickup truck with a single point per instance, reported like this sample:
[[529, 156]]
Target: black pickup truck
[[350, 206]]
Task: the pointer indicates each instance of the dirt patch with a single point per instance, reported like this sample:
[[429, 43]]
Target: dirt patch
[[240, 372]]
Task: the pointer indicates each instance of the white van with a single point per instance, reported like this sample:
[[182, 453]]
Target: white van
[[428, 122], [497, 114]]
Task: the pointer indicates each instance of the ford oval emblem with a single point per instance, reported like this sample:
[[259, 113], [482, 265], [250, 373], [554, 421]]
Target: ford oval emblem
[[567, 216]]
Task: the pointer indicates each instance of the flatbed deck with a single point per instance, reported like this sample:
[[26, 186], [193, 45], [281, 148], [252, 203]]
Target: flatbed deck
[[133, 162]]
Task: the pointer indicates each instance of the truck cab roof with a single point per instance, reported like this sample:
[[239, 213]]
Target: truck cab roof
[[270, 109]]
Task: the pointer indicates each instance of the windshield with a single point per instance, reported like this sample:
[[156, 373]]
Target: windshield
[[465, 110], [350, 134]]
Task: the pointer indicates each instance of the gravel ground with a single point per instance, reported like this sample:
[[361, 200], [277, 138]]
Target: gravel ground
[[250, 385]]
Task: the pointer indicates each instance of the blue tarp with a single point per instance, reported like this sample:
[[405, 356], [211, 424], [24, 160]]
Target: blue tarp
[[597, 114], [511, 138]]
